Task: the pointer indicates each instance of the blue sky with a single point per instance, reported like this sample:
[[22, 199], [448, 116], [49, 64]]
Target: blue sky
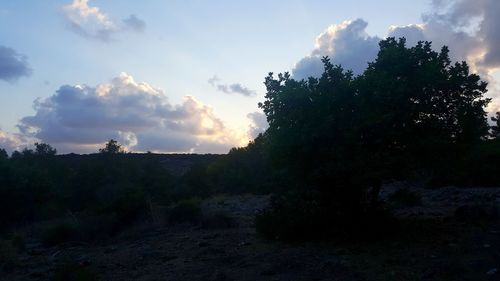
[[176, 47]]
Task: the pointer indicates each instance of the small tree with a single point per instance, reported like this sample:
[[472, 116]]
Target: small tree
[[44, 149], [3, 154], [112, 147]]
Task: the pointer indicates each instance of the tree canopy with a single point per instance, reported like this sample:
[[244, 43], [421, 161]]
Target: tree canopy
[[338, 136], [112, 147], [411, 103]]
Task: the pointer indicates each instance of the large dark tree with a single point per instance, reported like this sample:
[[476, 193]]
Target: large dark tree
[[339, 135], [417, 105]]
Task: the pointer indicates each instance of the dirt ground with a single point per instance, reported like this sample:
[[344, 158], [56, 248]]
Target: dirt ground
[[445, 240]]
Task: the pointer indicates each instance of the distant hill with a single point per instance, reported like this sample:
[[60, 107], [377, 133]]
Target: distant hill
[[175, 164]]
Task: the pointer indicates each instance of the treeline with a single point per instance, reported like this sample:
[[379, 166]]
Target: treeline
[[38, 185], [112, 189]]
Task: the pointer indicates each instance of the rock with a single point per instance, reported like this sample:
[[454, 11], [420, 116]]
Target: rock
[[151, 255], [219, 276], [211, 236], [203, 244], [109, 250], [471, 213], [492, 271], [37, 274], [268, 272], [168, 258]]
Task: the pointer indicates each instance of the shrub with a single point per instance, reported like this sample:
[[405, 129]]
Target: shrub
[[406, 198], [299, 218], [18, 240], [59, 232], [284, 222], [8, 256], [218, 220], [186, 211], [72, 271]]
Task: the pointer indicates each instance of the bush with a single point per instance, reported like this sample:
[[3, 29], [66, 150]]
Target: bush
[[406, 198], [218, 220], [290, 223], [72, 271], [59, 232], [8, 255], [98, 227], [186, 211], [295, 218]]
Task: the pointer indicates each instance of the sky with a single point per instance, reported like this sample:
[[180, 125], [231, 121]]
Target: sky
[[186, 76]]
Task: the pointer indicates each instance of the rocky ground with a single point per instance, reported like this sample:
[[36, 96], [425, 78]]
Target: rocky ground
[[451, 234]]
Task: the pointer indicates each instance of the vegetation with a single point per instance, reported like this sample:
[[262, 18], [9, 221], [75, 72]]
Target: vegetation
[[339, 137], [406, 198], [331, 144]]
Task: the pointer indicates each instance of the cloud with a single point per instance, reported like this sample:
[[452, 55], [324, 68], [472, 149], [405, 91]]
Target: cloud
[[12, 65], [347, 44], [11, 142], [81, 118], [134, 23], [469, 28], [258, 124], [477, 18], [235, 88], [90, 22]]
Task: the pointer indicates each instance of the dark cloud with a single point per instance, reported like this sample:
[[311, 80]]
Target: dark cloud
[[81, 118], [258, 124], [12, 65], [235, 88], [347, 44], [134, 23]]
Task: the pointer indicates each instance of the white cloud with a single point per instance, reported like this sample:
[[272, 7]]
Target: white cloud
[[258, 124], [468, 28], [11, 142], [347, 44], [81, 118], [90, 22]]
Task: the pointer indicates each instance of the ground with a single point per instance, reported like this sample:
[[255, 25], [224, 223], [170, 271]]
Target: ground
[[448, 234]]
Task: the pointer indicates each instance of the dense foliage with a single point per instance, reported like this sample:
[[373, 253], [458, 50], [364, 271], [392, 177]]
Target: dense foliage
[[339, 137]]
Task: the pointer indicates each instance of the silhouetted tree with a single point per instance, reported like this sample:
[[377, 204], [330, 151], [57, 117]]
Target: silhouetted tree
[[43, 149], [112, 147], [338, 135], [417, 108], [495, 129], [3, 154]]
